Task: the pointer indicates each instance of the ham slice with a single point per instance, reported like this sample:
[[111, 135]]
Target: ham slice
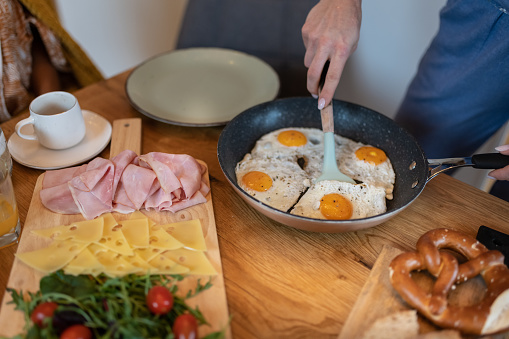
[[92, 191], [134, 187], [127, 182]]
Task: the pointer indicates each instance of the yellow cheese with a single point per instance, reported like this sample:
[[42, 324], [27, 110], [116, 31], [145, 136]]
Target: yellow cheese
[[159, 238], [137, 261], [83, 231], [53, 257], [137, 215], [114, 264], [188, 232], [147, 254], [136, 232], [196, 261], [113, 238], [164, 265], [84, 263], [136, 245]]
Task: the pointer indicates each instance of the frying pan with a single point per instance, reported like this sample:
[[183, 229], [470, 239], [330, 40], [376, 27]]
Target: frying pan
[[355, 122]]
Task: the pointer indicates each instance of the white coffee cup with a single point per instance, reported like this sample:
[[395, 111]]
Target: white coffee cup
[[57, 121]]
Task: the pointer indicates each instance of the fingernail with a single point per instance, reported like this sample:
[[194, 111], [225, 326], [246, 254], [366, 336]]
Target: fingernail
[[315, 96], [502, 148], [321, 103]]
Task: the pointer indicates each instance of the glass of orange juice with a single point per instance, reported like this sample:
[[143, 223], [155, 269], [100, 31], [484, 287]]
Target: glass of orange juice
[[9, 218]]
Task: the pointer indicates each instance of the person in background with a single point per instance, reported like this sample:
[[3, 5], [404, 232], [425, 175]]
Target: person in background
[[37, 55], [267, 29], [460, 94]]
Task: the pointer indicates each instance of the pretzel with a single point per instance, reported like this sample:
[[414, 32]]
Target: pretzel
[[490, 315]]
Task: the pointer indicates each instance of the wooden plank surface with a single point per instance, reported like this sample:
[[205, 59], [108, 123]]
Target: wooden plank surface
[[280, 282], [126, 135], [212, 302]]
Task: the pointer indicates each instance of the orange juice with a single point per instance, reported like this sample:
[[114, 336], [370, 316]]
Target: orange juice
[[8, 217]]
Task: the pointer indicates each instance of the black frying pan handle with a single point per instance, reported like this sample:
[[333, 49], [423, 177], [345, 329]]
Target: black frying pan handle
[[490, 160]]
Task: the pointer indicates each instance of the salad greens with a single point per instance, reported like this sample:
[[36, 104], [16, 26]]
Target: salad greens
[[110, 307]]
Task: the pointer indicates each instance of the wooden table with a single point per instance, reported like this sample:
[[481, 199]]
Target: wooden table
[[281, 282]]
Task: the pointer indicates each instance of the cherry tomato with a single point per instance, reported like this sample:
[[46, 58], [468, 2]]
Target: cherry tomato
[[42, 311], [76, 332], [159, 300], [185, 327]]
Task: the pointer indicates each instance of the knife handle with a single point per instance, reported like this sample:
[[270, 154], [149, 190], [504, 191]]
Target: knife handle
[[490, 160]]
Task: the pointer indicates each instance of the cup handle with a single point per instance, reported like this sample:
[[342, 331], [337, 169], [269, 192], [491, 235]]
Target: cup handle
[[22, 123]]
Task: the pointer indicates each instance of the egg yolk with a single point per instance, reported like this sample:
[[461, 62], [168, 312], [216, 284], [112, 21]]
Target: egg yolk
[[371, 154], [336, 207], [292, 138], [257, 181]]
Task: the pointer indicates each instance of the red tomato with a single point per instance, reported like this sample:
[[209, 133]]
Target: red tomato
[[76, 332], [42, 311], [159, 300], [185, 327]]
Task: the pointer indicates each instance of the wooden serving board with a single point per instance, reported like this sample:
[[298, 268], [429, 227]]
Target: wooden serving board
[[211, 302], [379, 299]]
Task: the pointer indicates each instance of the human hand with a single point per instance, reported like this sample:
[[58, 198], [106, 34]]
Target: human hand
[[501, 173], [331, 32]]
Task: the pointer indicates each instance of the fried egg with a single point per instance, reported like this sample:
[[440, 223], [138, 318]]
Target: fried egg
[[288, 143], [369, 165], [301, 145], [336, 200], [277, 183]]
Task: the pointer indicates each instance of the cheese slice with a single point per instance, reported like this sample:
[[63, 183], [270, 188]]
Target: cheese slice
[[54, 257], [83, 231], [148, 254], [164, 265], [188, 232], [136, 232], [196, 261], [139, 215], [159, 238], [84, 263], [114, 264], [113, 238], [137, 261]]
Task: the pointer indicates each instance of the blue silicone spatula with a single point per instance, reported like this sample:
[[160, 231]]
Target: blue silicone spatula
[[330, 169]]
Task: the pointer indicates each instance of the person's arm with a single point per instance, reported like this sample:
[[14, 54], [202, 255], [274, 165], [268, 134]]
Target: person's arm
[[44, 77], [501, 173], [331, 32]]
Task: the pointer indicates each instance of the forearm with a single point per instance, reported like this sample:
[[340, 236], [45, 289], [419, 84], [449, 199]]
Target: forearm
[[331, 32]]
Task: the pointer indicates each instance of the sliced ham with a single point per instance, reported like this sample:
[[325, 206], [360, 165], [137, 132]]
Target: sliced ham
[[92, 191], [121, 161], [59, 199], [135, 186], [61, 176], [127, 182], [196, 199]]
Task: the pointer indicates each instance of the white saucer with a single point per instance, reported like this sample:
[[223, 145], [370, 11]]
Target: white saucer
[[31, 154]]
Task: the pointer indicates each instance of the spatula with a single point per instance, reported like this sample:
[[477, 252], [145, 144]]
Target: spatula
[[330, 169]]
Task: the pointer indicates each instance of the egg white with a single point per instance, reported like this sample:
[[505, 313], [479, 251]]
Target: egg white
[[367, 200], [288, 181], [381, 175], [295, 168]]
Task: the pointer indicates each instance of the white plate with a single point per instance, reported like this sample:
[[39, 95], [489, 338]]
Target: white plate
[[200, 86], [31, 154]]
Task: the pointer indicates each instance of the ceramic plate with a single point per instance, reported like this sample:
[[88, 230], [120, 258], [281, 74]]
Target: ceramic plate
[[200, 86], [31, 154]]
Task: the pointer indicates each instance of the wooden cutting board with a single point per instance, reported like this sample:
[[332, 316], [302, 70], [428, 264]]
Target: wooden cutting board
[[126, 135], [378, 299]]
